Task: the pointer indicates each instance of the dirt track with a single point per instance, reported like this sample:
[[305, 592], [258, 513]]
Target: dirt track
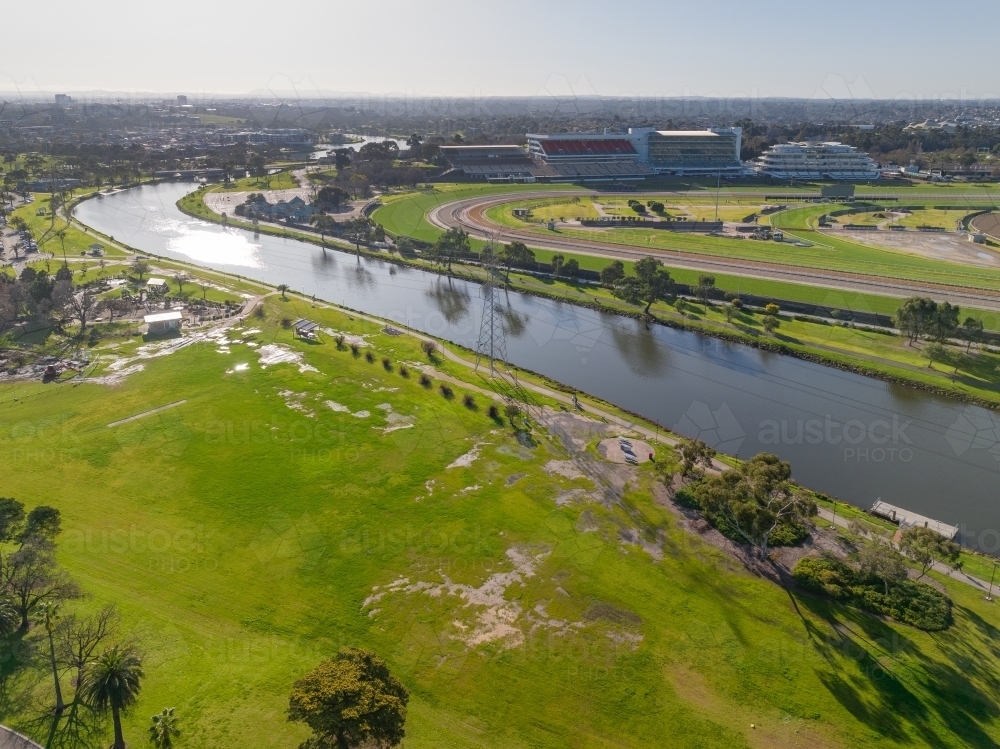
[[470, 214]]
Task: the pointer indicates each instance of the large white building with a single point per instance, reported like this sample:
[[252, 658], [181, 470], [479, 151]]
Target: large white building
[[817, 161]]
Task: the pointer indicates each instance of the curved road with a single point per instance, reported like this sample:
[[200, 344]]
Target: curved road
[[470, 214]]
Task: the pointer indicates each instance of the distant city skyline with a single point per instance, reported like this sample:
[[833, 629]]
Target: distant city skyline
[[444, 48]]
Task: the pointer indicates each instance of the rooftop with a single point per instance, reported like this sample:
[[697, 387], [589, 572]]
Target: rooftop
[[162, 317]]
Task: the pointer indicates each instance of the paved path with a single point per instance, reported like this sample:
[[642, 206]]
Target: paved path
[[939, 567], [150, 412]]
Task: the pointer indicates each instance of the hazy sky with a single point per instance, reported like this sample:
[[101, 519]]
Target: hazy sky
[[877, 48]]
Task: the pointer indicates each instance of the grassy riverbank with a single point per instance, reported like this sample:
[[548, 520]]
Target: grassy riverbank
[[876, 353], [250, 531]]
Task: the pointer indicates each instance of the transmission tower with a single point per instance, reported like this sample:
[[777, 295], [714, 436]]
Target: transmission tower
[[492, 344]]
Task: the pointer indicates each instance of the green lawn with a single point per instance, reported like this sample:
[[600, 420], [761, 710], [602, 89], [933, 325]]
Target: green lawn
[[46, 231], [277, 181], [826, 252], [242, 532]]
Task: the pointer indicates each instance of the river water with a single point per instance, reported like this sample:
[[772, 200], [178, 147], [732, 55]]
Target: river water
[[853, 437]]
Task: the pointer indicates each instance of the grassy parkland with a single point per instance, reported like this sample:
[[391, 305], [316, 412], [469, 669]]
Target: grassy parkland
[[303, 496]]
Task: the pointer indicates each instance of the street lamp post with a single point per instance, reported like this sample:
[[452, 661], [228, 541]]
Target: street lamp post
[[989, 596]]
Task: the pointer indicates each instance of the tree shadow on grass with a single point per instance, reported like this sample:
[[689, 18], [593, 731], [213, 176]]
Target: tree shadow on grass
[[18, 674], [894, 686], [79, 727]]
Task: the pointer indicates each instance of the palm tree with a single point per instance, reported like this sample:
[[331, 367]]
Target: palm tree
[[10, 619], [162, 730], [47, 615], [283, 287], [113, 682]]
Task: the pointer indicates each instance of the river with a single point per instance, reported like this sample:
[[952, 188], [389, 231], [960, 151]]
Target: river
[[853, 437]]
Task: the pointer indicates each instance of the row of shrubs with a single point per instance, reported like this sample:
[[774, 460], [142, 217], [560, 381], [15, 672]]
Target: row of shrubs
[[913, 603], [468, 400]]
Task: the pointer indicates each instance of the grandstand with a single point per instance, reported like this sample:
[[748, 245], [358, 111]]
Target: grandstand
[[646, 152], [589, 157], [816, 161], [490, 163], [696, 152]]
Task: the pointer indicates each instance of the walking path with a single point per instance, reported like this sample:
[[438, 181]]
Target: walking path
[[939, 567]]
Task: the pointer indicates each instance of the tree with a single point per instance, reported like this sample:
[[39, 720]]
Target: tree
[[512, 410], [163, 728], [944, 322], [342, 158], [935, 352], [180, 279], [204, 290], [613, 273], [351, 700], [755, 498], [113, 682], [571, 267], [139, 266], [43, 523], [11, 519], [84, 306], [731, 310], [283, 287], [513, 253], [693, 453], [9, 618], [557, 262], [47, 615], [331, 196], [324, 225], [649, 283], [453, 242], [31, 577], [972, 331], [80, 638], [705, 284], [770, 323], [914, 316], [924, 546], [882, 563]]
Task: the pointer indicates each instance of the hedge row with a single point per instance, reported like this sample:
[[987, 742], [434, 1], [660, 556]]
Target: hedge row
[[914, 603]]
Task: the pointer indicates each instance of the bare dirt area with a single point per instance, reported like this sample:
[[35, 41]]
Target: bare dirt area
[[949, 246], [612, 449]]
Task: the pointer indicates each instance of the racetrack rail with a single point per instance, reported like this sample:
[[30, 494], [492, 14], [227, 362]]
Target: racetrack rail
[[470, 214]]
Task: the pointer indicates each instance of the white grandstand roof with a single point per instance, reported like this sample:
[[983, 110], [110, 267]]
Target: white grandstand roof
[[686, 132]]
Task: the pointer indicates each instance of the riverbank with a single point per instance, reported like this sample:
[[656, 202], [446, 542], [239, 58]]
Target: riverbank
[[880, 355], [364, 476]]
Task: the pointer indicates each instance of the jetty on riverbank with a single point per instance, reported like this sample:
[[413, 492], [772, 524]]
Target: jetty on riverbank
[[906, 519]]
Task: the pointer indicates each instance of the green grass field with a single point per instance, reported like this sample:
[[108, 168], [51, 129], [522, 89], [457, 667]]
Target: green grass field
[[242, 532], [46, 231], [826, 252], [277, 181]]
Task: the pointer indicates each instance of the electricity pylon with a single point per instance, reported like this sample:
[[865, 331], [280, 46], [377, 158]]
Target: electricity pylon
[[492, 343]]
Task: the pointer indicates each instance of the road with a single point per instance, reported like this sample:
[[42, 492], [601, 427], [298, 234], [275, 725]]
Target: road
[[470, 214]]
